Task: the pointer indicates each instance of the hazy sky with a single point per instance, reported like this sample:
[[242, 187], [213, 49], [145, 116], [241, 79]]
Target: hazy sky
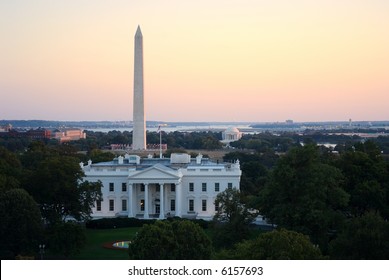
[[219, 60]]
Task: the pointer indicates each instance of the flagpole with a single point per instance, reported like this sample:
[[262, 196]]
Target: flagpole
[[160, 142]]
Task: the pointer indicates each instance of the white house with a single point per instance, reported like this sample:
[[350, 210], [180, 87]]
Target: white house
[[158, 188]]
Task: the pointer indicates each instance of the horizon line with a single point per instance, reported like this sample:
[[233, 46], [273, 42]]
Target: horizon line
[[160, 121]]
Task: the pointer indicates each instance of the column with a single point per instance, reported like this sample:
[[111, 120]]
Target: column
[[161, 205], [146, 214], [178, 199], [130, 201]]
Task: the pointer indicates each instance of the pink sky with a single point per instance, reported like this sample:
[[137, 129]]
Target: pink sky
[[230, 60]]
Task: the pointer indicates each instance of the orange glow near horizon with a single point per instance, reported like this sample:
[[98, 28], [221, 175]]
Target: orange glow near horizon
[[237, 60]]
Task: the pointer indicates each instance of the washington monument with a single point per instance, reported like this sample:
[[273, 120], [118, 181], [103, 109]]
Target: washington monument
[[139, 123]]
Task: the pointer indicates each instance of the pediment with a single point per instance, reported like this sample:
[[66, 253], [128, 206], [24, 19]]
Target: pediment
[[156, 172]]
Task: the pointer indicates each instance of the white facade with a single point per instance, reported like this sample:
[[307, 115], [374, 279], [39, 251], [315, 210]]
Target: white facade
[[160, 188], [231, 134]]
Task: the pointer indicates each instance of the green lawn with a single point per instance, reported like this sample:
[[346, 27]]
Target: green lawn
[[96, 238]]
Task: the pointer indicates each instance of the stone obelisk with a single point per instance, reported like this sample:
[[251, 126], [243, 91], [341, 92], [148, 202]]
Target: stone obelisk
[[139, 123]]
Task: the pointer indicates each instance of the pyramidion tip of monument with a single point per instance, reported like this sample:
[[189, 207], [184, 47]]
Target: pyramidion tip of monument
[[138, 31]]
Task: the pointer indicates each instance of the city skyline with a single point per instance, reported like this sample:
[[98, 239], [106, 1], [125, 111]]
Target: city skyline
[[224, 61]]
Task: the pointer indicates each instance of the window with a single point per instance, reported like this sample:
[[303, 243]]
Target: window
[[142, 188], [217, 187], [173, 205], [216, 207], [204, 187], [191, 205], [111, 187], [124, 187], [124, 204], [111, 205], [191, 187], [157, 188], [98, 205], [230, 185], [204, 205], [142, 205], [173, 187]]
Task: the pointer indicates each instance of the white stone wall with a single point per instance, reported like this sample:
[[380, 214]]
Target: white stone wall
[[210, 177]]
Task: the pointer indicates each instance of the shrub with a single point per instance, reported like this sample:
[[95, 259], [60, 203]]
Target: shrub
[[107, 223]]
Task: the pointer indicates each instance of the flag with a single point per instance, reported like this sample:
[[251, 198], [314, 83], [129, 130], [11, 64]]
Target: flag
[[159, 129]]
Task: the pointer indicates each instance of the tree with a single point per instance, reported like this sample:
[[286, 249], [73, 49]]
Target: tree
[[255, 168], [193, 243], [88, 194], [154, 242], [365, 237], [230, 207], [100, 156], [367, 179], [279, 244], [66, 238], [232, 218], [10, 170], [37, 151], [21, 223], [166, 240], [58, 187], [211, 143], [305, 195]]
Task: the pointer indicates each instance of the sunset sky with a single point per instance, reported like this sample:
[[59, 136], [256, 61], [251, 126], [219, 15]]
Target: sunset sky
[[220, 60]]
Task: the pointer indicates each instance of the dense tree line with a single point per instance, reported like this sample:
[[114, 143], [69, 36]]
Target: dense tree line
[[280, 244], [184, 140], [339, 201], [171, 240], [14, 144], [336, 205], [39, 190], [260, 142], [265, 141], [284, 141]]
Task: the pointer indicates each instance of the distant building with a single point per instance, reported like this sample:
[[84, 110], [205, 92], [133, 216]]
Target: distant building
[[68, 134], [38, 134], [127, 147], [5, 128], [231, 134], [159, 188], [289, 121]]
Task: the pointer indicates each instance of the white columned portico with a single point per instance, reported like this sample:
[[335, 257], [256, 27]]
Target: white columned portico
[[130, 201], [146, 212], [162, 207], [178, 199]]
